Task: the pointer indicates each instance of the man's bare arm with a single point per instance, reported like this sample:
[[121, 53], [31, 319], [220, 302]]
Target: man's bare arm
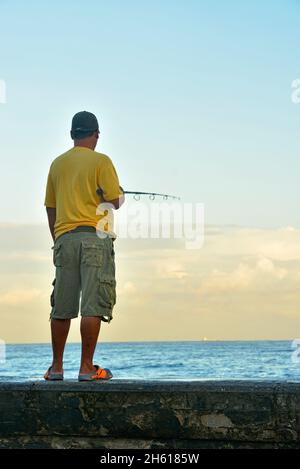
[[51, 212]]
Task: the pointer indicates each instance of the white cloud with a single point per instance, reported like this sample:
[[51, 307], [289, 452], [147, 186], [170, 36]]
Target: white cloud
[[33, 256], [170, 268], [127, 288], [219, 281], [266, 265], [19, 297], [243, 277]]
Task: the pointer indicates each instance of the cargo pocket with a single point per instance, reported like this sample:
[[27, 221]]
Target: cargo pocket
[[107, 292], [57, 255], [52, 294], [92, 253], [113, 250]]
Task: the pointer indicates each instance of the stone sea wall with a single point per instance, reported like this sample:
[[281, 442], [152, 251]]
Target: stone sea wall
[[150, 414]]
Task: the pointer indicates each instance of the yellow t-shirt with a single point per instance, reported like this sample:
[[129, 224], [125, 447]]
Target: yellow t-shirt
[[72, 182]]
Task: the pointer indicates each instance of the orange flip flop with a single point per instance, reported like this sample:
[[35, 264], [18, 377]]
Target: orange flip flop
[[100, 374]]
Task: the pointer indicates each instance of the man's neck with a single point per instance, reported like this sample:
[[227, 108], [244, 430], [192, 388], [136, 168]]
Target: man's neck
[[84, 145]]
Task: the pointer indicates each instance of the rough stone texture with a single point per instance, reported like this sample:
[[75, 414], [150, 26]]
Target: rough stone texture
[[150, 414]]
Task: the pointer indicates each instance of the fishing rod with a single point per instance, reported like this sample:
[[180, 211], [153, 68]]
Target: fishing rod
[[152, 195], [137, 194]]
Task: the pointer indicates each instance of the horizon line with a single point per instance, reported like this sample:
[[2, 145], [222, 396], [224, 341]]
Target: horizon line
[[158, 341]]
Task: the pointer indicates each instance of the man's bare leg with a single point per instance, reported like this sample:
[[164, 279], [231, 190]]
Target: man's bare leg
[[89, 328], [59, 331]]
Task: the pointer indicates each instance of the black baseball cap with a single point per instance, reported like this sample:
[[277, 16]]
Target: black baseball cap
[[84, 122]]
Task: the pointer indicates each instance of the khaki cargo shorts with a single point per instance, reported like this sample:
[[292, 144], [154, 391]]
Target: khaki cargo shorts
[[84, 277]]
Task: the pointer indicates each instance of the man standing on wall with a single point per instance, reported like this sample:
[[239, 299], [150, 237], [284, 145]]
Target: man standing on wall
[[83, 254]]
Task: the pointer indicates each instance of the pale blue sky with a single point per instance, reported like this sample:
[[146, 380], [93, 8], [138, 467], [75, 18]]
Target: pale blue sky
[[193, 98]]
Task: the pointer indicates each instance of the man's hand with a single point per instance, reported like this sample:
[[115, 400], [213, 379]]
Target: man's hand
[[115, 202]]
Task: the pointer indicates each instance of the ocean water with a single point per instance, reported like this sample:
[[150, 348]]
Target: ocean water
[[257, 360]]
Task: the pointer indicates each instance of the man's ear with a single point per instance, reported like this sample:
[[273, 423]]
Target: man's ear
[[72, 136]]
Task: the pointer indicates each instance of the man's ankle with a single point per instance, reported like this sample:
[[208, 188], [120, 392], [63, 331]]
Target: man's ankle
[[86, 368], [57, 366]]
